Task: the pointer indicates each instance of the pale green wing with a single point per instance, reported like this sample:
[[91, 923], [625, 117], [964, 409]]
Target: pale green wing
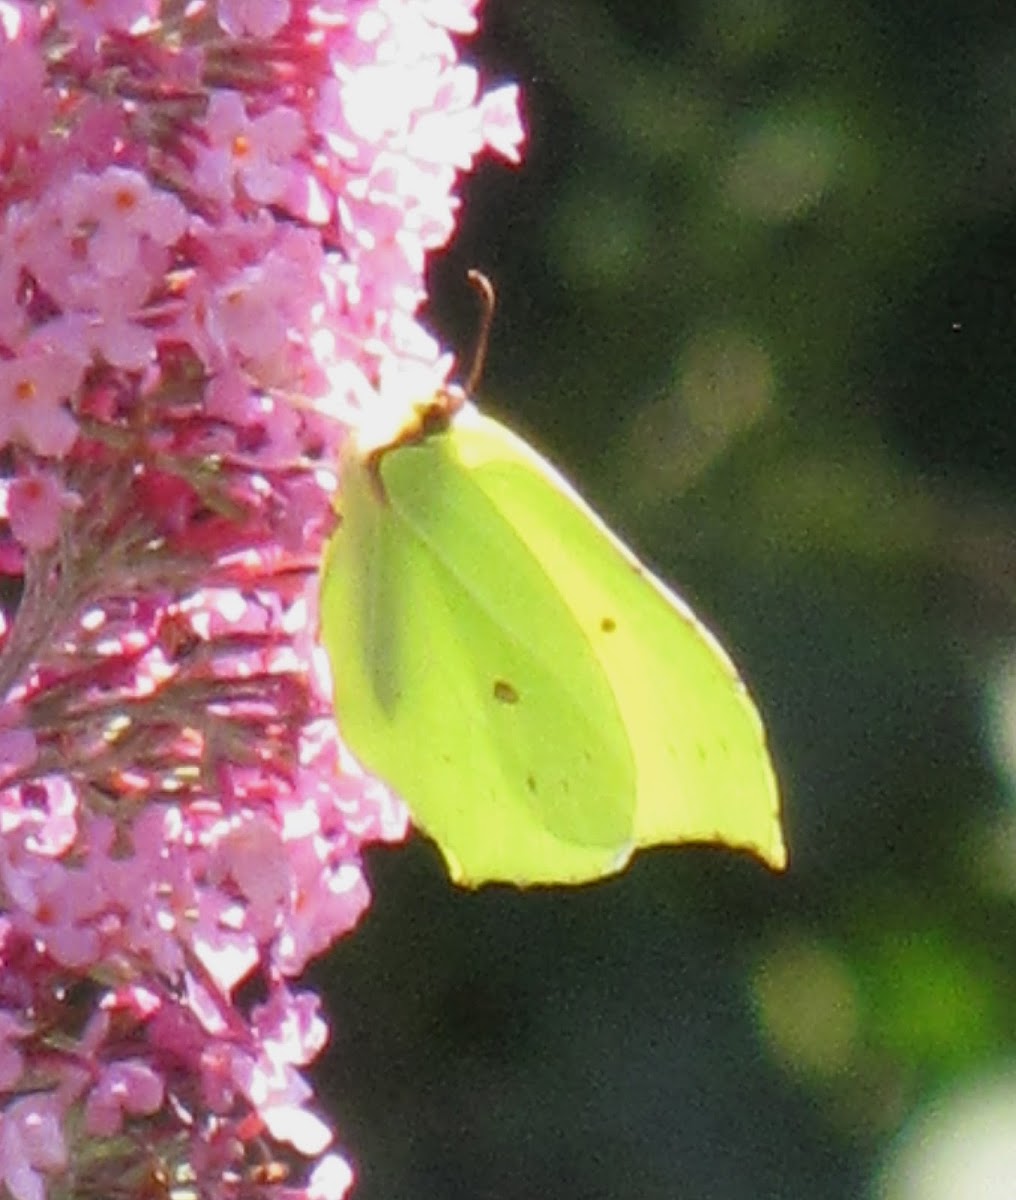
[[703, 771], [464, 680]]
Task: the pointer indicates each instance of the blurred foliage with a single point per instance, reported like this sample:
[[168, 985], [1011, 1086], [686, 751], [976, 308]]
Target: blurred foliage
[[756, 287]]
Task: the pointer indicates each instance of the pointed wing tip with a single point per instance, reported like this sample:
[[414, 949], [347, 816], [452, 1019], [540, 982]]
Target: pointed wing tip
[[775, 855]]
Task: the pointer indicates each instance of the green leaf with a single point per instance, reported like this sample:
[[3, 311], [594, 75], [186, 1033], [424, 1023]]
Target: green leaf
[[542, 703]]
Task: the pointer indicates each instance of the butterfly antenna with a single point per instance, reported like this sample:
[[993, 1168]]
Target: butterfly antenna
[[486, 290]]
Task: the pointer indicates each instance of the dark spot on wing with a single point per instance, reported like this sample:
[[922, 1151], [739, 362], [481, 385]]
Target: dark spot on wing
[[531, 783], [504, 692], [607, 624]]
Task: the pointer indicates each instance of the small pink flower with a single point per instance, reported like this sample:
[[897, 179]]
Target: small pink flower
[[26, 106], [93, 18], [331, 1179], [31, 1145], [280, 1095], [125, 1087], [35, 506], [500, 122], [118, 212], [291, 1024], [259, 153], [255, 18], [34, 391], [253, 857]]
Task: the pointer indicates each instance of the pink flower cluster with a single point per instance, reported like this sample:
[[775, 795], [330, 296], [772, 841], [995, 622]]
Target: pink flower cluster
[[214, 219]]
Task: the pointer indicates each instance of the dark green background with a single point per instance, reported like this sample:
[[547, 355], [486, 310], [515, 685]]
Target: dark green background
[[756, 284]]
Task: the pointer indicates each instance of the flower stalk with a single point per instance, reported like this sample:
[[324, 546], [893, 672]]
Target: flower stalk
[[214, 222]]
